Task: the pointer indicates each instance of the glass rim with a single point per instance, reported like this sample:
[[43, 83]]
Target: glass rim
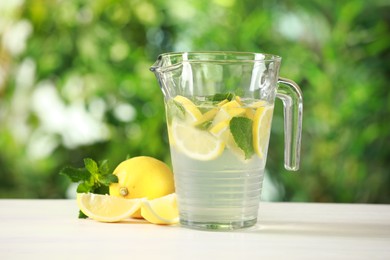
[[175, 58]]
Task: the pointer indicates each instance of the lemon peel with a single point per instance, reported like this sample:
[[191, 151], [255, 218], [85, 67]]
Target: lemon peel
[[193, 113], [142, 177], [105, 208], [227, 111], [261, 129], [161, 210]]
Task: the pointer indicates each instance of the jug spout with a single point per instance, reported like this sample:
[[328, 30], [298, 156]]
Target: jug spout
[[157, 65], [170, 70], [168, 62], [158, 68]]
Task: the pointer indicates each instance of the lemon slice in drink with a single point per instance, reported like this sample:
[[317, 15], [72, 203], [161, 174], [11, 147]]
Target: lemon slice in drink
[[162, 210], [261, 129], [259, 103], [227, 111], [209, 115], [222, 132], [219, 129], [193, 114], [195, 143], [106, 208], [250, 111]]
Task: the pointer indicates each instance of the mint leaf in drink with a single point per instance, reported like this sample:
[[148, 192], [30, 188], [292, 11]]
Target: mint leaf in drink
[[205, 125], [175, 109], [241, 129], [94, 177], [222, 96]]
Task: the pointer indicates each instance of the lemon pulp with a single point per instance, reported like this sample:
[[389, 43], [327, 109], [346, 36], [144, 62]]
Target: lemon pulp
[[186, 138], [107, 208], [161, 210]]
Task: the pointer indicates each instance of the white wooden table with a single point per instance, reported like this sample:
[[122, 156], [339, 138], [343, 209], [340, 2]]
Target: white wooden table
[[50, 229]]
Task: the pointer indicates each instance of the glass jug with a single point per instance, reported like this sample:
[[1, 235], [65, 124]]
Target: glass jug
[[219, 108]]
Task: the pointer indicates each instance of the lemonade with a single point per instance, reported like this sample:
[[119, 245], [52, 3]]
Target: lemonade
[[218, 148], [219, 107]]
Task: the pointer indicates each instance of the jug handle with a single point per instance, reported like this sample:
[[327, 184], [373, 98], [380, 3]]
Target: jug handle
[[291, 95]]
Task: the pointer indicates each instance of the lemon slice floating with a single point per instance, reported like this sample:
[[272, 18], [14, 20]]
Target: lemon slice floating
[[195, 143], [161, 210], [193, 114], [106, 208], [222, 132], [261, 129], [250, 111], [227, 111], [209, 115]]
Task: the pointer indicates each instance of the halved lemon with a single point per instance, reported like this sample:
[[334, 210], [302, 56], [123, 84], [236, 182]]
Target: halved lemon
[[261, 129], [142, 177], [161, 210], [193, 114], [106, 208], [195, 143]]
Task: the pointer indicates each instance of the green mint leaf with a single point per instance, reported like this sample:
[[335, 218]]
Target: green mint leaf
[[91, 166], [222, 96], [180, 108], [101, 190], [84, 187], [94, 178], [82, 215], [241, 129], [205, 125], [104, 168], [108, 179], [75, 174], [175, 109]]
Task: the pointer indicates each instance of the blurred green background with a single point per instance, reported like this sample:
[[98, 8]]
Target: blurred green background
[[74, 83]]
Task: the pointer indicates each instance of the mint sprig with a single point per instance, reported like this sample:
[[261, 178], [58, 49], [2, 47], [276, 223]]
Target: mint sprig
[[222, 96], [95, 178], [241, 129]]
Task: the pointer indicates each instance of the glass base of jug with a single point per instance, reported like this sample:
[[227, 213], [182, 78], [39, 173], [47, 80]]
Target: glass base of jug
[[218, 226]]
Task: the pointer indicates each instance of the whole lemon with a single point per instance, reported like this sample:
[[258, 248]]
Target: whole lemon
[[142, 177]]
